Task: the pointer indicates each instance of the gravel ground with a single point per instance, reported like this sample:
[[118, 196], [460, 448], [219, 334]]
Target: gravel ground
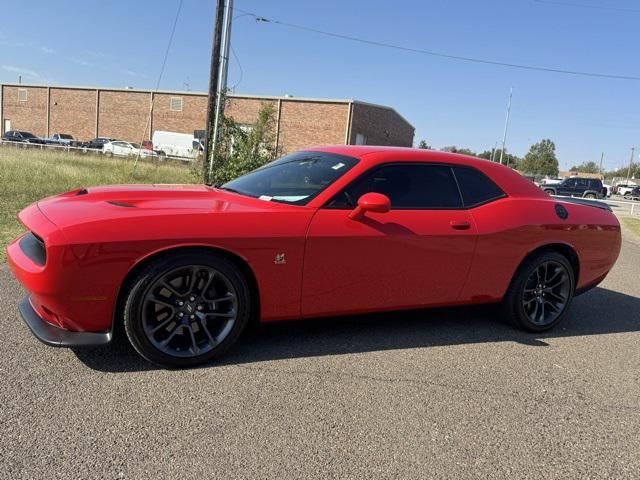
[[440, 394]]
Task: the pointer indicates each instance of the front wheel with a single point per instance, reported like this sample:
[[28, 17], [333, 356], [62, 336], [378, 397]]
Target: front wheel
[[590, 195], [540, 293], [187, 309]]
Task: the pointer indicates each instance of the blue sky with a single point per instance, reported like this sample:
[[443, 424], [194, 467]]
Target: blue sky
[[121, 43]]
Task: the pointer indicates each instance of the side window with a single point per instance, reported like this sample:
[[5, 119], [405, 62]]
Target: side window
[[408, 186], [476, 187]]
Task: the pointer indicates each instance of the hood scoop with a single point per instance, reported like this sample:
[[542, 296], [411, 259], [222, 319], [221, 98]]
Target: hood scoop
[[121, 204]]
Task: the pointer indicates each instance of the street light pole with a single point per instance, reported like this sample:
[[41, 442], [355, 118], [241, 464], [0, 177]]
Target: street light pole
[[212, 96], [506, 125]]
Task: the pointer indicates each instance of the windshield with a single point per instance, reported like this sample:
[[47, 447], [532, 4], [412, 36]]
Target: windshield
[[65, 136], [293, 179]]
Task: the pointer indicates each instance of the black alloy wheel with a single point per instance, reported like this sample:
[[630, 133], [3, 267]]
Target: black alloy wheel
[[540, 293], [187, 310], [546, 293]]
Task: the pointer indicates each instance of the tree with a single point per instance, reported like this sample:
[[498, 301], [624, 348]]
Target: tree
[[586, 167], [507, 159], [463, 151], [424, 145], [241, 148], [622, 172], [541, 159]]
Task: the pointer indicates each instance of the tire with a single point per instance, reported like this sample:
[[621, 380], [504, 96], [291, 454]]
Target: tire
[[550, 192], [176, 335], [108, 154], [591, 196], [518, 306]]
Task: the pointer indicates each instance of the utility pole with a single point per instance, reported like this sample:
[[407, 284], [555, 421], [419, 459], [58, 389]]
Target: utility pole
[[506, 125], [222, 82], [212, 97], [601, 160], [633, 151]]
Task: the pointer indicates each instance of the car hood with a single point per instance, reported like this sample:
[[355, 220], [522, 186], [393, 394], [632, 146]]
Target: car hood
[[113, 202]]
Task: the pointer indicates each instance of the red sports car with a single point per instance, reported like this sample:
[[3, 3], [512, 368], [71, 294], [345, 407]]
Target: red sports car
[[325, 231]]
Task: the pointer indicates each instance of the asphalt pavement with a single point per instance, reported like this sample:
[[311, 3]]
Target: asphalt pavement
[[431, 394]]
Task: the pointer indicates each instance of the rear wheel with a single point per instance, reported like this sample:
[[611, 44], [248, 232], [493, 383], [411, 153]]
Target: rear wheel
[[550, 192], [590, 195], [186, 310], [540, 293]]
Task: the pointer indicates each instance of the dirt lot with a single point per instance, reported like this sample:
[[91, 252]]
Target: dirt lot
[[446, 394]]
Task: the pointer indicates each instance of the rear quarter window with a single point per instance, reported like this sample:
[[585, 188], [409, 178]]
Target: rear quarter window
[[476, 188]]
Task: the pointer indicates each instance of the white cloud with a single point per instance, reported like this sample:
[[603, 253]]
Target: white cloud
[[22, 71], [80, 61]]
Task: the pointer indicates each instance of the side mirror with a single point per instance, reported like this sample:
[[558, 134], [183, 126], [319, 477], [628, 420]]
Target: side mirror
[[370, 202]]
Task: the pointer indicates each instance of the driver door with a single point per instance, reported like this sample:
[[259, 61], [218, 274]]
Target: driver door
[[418, 254]]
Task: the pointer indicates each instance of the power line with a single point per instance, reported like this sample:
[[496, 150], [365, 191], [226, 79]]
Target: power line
[[166, 52], [376, 43], [584, 5], [164, 63], [235, 85]]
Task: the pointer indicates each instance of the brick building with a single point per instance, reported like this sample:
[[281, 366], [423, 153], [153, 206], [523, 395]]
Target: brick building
[[86, 113]]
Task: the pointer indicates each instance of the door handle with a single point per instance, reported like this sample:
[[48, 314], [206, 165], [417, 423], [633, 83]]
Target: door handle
[[460, 225]]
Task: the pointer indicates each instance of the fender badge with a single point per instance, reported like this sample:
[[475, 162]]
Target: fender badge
[[280, 259]]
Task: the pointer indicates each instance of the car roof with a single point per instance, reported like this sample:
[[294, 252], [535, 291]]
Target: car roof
[[371, 153], [509, 180]]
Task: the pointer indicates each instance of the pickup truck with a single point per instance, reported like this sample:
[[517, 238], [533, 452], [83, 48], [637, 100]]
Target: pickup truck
[[577, 187], [62, 139]]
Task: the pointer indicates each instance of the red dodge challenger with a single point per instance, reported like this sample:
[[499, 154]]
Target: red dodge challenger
[[325, 231]]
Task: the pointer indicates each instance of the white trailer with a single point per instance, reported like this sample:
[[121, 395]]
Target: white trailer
[[173, 144]]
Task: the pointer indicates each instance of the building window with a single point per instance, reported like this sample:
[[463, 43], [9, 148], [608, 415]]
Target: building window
[[22, 94], [361, 139], [175, 104]]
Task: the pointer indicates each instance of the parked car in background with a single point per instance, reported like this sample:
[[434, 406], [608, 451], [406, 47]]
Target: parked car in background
[[551, 181], [173, 144], [577, 187], [61, 139], [633, 194], [22, 137], [97, 143], [121, 148], [608, 190], [625, 188]]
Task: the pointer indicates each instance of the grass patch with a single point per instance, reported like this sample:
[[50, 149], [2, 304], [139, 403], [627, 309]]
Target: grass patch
[[632, 224], [27, 175]]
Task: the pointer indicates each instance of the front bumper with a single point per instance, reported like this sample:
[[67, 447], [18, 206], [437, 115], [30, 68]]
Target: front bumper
[[56, 336]]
